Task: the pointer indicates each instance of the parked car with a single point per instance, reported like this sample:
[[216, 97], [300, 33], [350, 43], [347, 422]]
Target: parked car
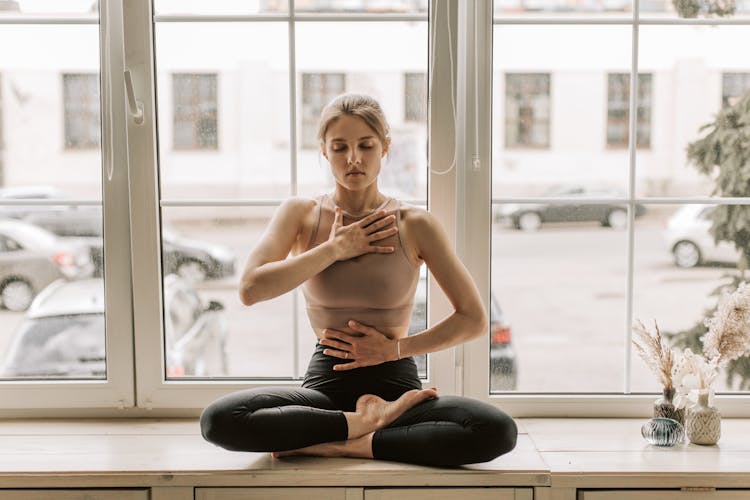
[[503, 367], [192, 259], [63, 334], [531, 216], [31, 258], [27, 193], [689, 240]]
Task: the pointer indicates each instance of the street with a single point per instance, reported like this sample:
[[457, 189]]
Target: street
[[562, 289]]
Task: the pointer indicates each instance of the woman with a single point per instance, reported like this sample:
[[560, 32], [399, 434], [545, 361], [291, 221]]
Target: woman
[[357, 255]]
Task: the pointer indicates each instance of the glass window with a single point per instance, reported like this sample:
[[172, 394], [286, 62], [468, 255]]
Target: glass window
[[733, 86], [81, 108], [317, 90], [205, 245], [195, 111], [618, 104], [527, 110], [415, 97], [50, 149]]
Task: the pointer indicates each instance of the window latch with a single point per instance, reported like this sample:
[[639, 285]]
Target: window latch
[[134, 106]]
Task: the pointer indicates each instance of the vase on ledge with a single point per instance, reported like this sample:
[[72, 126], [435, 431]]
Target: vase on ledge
[[664, 407], [703, 421]]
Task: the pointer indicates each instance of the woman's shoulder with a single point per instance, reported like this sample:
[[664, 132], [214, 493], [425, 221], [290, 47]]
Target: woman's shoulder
[[415, 216], [299, 205]]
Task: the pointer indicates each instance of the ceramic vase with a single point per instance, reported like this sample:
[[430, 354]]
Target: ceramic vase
[[664, 407], [703, 422]]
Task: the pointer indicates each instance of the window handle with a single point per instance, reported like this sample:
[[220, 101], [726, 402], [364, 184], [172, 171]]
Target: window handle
[[135, 106]]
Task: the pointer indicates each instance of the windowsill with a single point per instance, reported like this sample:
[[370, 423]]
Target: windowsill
[[562, 453]]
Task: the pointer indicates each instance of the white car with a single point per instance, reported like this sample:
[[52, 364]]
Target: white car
[[689, 239], [62, 335]]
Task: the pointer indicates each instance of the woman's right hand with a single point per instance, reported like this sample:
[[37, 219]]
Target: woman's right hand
[[358, 238]]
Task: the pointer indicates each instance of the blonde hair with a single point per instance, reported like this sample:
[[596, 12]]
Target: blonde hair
[[362, 106]]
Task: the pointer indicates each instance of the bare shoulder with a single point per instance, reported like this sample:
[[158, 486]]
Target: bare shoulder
[[419, 229], [418, 220], [301, 212], [297, 206]]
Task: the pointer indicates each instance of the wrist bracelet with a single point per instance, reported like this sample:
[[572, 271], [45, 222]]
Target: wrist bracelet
[[398, 349]]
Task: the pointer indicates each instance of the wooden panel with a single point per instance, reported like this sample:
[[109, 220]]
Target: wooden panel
[[664, 495], [554, 494], [171, 493], [74, 494], [440, 493], [276, 493]]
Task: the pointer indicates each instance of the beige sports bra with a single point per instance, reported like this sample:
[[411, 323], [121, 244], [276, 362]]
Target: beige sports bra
[[374, 289]]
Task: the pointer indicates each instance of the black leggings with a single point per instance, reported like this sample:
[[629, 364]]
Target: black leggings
[[447, 431]]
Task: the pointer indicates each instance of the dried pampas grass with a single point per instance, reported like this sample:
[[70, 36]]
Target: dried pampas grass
[[728, 336], [655, 352]]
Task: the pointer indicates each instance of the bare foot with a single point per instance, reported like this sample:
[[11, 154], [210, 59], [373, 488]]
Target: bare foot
[[373, 413], [360, 447]]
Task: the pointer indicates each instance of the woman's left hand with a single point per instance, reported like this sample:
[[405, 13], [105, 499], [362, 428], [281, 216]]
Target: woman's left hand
[[371, 348]]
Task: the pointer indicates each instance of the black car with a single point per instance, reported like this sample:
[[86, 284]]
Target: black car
[[531, 216], [503, 368], [191, 259]]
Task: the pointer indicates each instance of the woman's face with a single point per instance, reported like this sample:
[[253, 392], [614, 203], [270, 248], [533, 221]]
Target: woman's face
[[354, 151]]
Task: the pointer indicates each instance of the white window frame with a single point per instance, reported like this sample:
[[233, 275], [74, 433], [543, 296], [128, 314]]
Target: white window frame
[[479, 16], [118, 389], [459, 193]]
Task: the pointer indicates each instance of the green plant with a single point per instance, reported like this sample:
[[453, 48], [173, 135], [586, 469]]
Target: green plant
[[723, 153]]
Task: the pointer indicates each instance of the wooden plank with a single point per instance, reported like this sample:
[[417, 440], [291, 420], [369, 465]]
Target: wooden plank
[[266, 493], [554, 494], [31, 494], [171, 493], [663, 495], [439, 493]]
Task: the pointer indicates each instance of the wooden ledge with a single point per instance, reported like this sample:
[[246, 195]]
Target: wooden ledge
[[171, 452]]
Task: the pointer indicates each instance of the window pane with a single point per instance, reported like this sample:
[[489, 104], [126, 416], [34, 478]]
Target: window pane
[[81, 102], [618, 114], [364, 64], [318, 89], [560, 290], [223, 102], [562, 8], [195, 111], [678, 268], [691, 10], [220, 7], [360, 6], [550, 108], [51, 291], [733, 86], [688, 65], [46, 8]]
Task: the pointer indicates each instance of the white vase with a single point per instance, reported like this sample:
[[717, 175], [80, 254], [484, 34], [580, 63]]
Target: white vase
[[703, 422]]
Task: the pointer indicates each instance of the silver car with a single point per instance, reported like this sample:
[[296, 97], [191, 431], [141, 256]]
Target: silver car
[[63, 334], [32, 258], [688, 238]]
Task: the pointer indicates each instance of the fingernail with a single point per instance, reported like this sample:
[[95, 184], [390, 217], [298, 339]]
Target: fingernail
[[352, 323]]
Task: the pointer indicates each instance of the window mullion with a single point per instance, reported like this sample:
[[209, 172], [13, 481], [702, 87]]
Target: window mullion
[[473, 184], [441, 162], [144, 210]]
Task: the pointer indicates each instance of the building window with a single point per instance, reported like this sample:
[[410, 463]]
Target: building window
[[317, 90], [415, 97], [527, 110], [618, 102], [733, 85], [81, 111], [195, 111]]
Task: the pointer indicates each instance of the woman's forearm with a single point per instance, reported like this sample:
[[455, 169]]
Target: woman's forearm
[[276, 278], [453, 330]]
